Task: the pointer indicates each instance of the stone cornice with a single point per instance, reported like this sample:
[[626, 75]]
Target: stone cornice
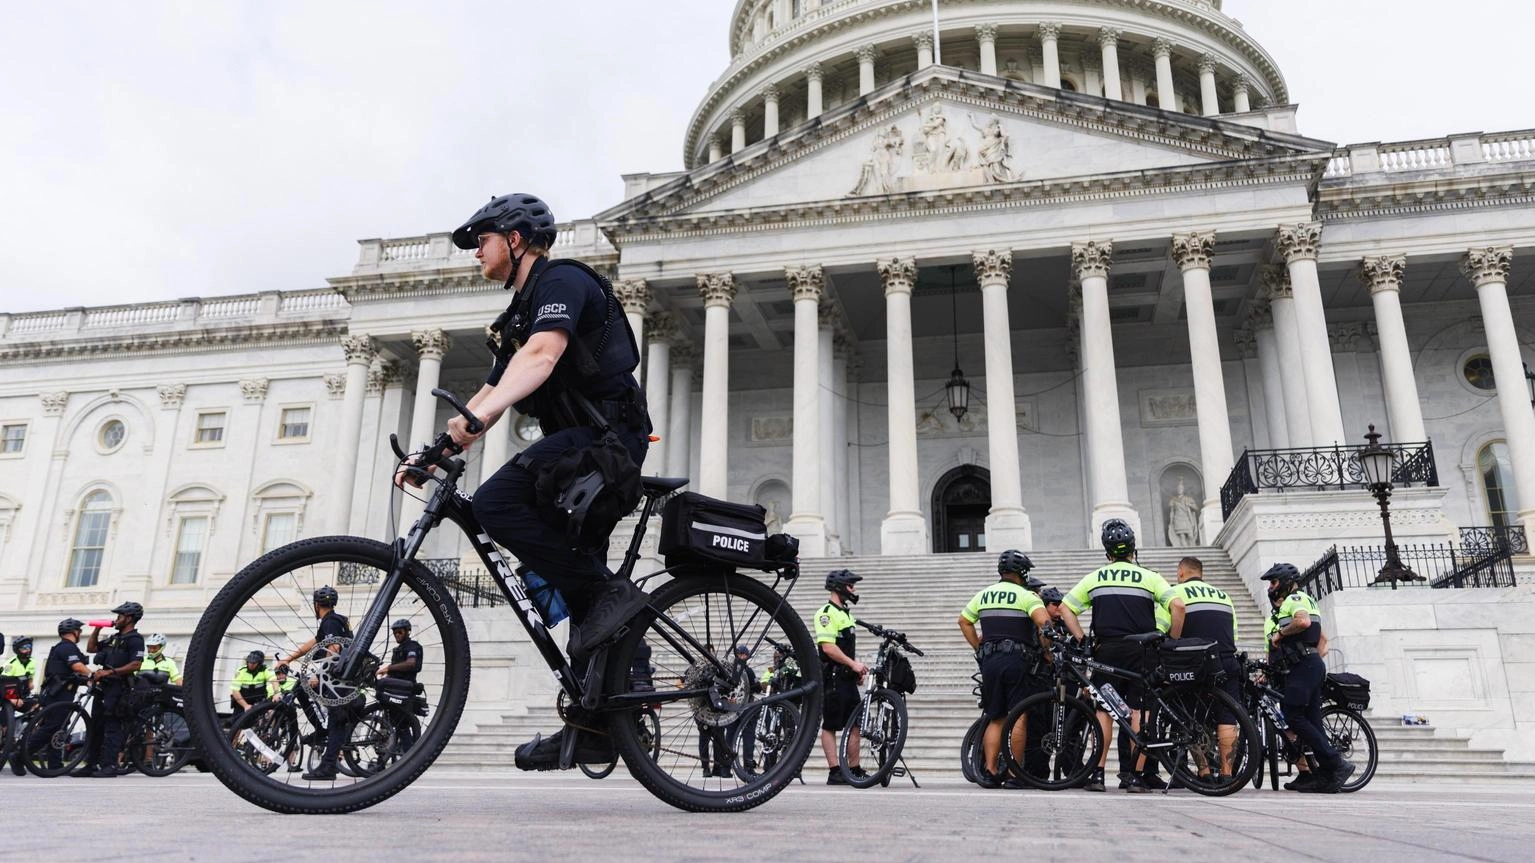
[[1350, 202], [188, 341], [422, 283]]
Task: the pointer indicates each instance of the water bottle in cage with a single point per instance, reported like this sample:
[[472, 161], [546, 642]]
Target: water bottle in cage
[[1271, 707], [1112, 700]]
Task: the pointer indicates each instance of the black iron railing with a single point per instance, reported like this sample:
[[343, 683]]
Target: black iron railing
[[1321, 468], [1510, 538], [1440, 565], [474, 589]]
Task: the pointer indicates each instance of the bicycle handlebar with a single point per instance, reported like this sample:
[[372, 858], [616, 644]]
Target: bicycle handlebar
[[897, 637], [475, 426]]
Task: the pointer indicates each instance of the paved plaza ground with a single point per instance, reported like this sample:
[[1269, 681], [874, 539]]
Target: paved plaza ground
[[465, 816]]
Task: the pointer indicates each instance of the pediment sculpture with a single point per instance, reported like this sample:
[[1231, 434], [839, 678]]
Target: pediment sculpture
[[940, 157]]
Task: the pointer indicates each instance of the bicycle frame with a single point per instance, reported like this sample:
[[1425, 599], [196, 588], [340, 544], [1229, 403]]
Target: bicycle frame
[[1075, 668]]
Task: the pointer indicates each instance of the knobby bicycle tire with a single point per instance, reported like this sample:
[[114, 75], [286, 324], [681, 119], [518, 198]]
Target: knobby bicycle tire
[[1071, 734], [1204, 706], [169, 729], [892, 717], [69, 716], [1364, 769], [971, 750], [203, 660], [752, 722]]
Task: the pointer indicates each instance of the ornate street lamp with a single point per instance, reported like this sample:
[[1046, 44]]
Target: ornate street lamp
[[958, 387], [1377, 462]]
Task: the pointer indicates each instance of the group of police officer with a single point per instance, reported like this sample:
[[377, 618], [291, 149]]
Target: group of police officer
[[1010, 625]]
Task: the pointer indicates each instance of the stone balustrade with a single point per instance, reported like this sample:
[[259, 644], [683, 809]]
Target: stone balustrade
[[578, 239], [1432, 155], [266, 307]]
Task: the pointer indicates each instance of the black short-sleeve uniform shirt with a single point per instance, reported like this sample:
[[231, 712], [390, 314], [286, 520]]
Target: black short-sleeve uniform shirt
[[61, 659], [406, 649], [119, 650], [333, 625]]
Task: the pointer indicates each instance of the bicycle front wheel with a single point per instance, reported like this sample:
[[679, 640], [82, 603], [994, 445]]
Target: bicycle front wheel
[[771, 729], [1059, 744], [873, 739], [1351, 734], [163, 744], [55, 739], [268, 607]]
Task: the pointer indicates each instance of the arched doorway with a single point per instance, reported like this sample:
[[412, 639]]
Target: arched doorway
[[961, 500]]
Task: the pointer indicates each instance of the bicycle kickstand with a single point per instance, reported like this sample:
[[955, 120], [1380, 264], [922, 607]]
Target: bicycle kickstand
[[906, 771]]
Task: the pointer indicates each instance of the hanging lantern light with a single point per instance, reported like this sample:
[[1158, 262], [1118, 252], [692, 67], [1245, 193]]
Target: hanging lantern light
[[958, 387]]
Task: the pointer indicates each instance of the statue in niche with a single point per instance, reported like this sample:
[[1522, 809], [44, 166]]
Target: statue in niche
[[940, 153], [772, 518], [996, 149], [1182, 518]]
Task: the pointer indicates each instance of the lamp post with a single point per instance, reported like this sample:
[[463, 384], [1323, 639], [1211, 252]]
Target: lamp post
[[1377, 462], [958, 387]]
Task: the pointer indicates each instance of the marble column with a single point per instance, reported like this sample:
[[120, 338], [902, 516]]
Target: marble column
[[1240, 89], [1297, 413], [634, 296], [769, 111], [1007, 525], [813, 101], [716, 152], [658, 380], [839, 449], [1167, 92], [904, 530], [1108, 40], [806, 518], [865, 56], [717, 290], [360, 352], [1209, 100], [826, 451], [1262, 322], [1105, 440], [1049, 42], [1193, 252], [679, 424], [986, 36], [1298, 245], [1383, 276], [431, 345], [737, 130], [1487, 270], [924, 43]]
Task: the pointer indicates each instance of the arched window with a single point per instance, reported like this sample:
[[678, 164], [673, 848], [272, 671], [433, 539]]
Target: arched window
[[90, 545], [1497, 472]]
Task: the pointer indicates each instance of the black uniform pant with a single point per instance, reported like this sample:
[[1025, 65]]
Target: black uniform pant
[[506, 506], [47, 727], [712, 737], [338, 727], [108, 726], [1303, 708]]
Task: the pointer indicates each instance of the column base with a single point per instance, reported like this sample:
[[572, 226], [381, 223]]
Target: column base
[[1009, 528], [810, 530], [1210, 522], [1105, 511], [833, 545], [903, 533]]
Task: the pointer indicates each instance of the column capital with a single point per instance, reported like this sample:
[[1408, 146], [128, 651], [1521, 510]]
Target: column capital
[[717, 289], [359, 348], [1383, 272], [634, 294], [1091, 258], [1108, 37], [431, 344], [899, 275], [815, 71], [770, 92], [1241, 83], [866, 53], [1299, 242], [805, 283], [254, 390], [1049, 31], [738, 116], [923, 38], [1207, 63], [384, 373], [53, 403], [986, 32], [660, 327], [827, 316], [1246, 342], [1193, 251], [683, 355], [1161, 48], [993, 266], [335, 383], [1260, 316], [1350, 336], [1487, 265], [1276, 282]]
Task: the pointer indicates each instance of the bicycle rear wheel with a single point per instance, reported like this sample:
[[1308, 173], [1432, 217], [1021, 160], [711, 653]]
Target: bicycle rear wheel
[[691, 627], [382, 735], [772, 728], [266, 738], [971, 752], [268, 607], [1192, 722], [163, 744], [880, 725], [1067, 736], [55, 739], [1351, 734]]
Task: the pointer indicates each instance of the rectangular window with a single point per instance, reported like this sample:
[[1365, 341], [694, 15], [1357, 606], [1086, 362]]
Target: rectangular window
[[189, 549], [90, 546], [280, 529], [294, 425], [13, 438], [210, 428]]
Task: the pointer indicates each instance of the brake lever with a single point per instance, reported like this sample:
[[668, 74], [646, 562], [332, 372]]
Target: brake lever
[[475, 426]]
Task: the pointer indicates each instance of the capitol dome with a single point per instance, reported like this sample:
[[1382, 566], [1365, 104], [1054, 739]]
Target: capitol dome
[[793, 59]]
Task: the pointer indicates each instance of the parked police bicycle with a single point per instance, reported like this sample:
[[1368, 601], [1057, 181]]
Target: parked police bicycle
[[1210, 614], [564, 354], [63, 672], [1299, 645]]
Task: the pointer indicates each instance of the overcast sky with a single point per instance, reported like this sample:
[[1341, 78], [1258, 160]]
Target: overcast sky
[[156, 150]]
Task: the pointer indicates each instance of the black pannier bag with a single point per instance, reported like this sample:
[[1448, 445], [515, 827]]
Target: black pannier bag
[[902, 678], [404, 694], [699, 529], [1349, 690], [1190, 661]]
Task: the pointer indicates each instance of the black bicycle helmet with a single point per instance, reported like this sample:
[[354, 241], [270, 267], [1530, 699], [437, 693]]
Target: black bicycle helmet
[[255, 656], [1014, 561], [69, 624], [1281, 577], [1034, 583], [132, 609], [402, 623], [1118, 538], [840, 578], [281, 669], [519, 211], [1051, 596], [326, 597], [21, 642]]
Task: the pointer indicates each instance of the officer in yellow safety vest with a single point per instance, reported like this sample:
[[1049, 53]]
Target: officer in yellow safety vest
[[252, 685], [156, 659]]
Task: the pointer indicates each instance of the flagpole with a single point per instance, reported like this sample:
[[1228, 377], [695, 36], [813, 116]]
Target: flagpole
[[937, 48]]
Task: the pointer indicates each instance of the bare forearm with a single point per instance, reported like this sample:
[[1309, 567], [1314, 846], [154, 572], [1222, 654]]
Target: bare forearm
[[526, 372], [971, 636]]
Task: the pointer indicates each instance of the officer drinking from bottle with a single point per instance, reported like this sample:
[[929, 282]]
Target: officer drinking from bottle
[[117, 659]]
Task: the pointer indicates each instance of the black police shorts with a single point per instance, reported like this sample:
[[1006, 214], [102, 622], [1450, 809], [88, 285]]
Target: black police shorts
[[842, 697], [1232, 686], [1005, 681], [1130, 657]]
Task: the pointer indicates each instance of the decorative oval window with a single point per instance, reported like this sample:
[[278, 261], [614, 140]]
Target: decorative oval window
[[1478, 372], [528, 430], [111, 435]]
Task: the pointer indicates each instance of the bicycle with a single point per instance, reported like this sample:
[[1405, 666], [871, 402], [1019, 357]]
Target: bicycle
[[55, 738], [1345, 725], [15, 704], [771, 727], [158, 741], [880, 717], [1179, 727], [267, 606]]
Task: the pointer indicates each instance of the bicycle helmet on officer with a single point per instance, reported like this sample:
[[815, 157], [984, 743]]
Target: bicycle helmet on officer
[[326, 597], [1014, 561], [839, 581], [526, 214], [1118, 538], [154, 639], [255, 656], [1052, 596], [69, 624], [402, 623], [132, 609], [21, 643], [1283, 578]]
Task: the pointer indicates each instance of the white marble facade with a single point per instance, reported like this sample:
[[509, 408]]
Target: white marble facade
[[1135, 296]]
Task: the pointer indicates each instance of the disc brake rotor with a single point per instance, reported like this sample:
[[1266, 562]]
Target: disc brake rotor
[[320, 672]]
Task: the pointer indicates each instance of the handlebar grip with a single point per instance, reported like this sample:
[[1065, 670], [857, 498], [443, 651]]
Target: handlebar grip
[[915, 650], [475, 426]]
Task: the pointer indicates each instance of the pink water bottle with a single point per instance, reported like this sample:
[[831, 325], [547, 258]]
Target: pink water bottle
[[101, 624]]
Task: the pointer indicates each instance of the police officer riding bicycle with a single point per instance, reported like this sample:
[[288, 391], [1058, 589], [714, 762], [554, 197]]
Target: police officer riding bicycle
[[563, 353], [1299, 647]]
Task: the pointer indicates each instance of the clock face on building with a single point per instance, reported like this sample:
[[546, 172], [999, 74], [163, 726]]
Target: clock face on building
[[527, 429]]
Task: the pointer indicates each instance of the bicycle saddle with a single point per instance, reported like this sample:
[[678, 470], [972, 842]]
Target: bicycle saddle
[[1145, 638], [655, 486]]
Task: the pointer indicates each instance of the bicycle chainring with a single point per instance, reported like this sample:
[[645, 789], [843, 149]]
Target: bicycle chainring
[[319, 673]]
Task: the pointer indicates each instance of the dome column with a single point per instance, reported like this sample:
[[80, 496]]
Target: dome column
[[1050, 51], [924, 41], [1240, 93], [813, 101], [737, 130], [1108, 40], [1210, 103], [865, 56], [1167, 92], [986, 36], [769, 111]]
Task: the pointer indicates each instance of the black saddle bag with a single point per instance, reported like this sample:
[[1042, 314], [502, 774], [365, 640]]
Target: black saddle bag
[[1190, 661], [703, 530]]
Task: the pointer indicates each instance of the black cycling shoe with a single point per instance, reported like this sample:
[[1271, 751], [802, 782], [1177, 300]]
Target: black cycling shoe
[[1153, 781], [1339, 776], [543, 753], [834, 777], [614, 604], [1136, 784], [321, 773], [1095, 781], [986, 779]]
